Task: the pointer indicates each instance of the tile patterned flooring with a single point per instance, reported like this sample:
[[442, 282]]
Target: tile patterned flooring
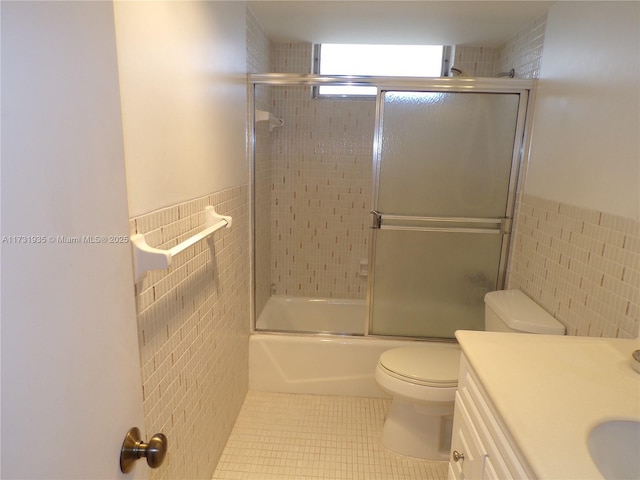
[[291, 436]]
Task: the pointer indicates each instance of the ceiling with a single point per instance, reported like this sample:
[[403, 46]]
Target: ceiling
[[452, 22]]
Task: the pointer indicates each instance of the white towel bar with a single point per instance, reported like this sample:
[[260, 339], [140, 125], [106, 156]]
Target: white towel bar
[[147, 258]]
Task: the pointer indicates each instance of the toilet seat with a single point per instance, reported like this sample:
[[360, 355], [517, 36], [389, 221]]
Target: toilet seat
[[430, 366]]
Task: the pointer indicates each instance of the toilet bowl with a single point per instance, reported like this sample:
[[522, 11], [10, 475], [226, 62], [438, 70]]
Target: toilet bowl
[[422, 379]]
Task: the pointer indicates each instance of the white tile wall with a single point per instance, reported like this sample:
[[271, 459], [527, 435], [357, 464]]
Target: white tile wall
[[293, 58], [193, 325], [582, 265], [259, 47], [476, 61], [523, 52], [321, 195]]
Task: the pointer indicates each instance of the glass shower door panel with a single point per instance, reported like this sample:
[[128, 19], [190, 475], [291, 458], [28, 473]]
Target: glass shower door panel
[[446, 154], [432, 283]]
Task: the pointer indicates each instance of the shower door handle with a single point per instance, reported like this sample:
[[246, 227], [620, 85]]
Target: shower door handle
[[382, 221], [376, 222]]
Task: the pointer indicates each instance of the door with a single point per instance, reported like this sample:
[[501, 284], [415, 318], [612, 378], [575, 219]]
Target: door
[[446, 170], [71, 383]]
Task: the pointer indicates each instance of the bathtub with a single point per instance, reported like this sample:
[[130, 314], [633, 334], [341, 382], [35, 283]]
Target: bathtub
[[322, 364], [306, 314]]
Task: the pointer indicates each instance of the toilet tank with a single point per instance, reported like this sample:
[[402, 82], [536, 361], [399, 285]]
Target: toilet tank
[[513, 311]]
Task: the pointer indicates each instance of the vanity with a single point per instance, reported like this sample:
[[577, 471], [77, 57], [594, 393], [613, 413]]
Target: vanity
[[545, 406]]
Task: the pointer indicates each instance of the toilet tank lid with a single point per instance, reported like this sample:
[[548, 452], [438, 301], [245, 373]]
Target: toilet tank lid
[[521, 313]]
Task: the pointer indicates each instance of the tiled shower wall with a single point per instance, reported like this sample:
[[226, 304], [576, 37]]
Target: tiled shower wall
[[581, 265], [193, 322], [321, 186], [522, 52], [476, 61]]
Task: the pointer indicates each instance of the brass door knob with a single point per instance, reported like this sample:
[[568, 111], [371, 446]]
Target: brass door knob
[[457, 456], [134, 448]]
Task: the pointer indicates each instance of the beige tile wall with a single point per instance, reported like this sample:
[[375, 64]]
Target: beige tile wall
[[321, 187], [259, 47], [581, 265], [522, 52], [193, 323], [292, 58], [476, 61]]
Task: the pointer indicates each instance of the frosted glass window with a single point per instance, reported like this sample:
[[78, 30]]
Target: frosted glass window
[[377, 60]]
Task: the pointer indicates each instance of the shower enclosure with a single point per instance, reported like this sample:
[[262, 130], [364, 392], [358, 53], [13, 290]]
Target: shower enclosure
[[397, 209]]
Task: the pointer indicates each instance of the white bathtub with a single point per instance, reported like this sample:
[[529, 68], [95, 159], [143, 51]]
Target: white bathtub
[[306, 314], [317, 364]]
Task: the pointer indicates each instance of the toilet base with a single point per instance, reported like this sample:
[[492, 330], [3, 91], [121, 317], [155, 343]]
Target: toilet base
[[421, 431]]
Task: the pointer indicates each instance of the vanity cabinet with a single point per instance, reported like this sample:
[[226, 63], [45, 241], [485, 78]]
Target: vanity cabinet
[[480, 448]]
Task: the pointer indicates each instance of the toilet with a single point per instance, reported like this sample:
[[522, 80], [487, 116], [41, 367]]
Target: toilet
[[422, 379]]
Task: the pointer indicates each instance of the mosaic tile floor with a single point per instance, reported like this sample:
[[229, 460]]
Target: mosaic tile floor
[[289, 436]]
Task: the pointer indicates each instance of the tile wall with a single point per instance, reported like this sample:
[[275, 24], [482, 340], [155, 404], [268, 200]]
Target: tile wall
[[321, 186], [193, 322], [476, 61], [522, 52], [581, 265]]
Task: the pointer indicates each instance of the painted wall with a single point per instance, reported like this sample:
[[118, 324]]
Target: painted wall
[[183, 88], [183, 82], [586, 146]]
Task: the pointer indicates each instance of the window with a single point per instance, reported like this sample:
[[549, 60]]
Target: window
[[379, 60]]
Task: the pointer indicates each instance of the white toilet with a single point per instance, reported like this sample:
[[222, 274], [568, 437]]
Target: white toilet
[[423, 379]]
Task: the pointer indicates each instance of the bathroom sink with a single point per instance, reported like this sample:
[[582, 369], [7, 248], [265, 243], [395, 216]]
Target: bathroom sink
[[615, 449]]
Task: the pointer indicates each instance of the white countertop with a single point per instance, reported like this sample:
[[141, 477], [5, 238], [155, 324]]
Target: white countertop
[[550, 391]]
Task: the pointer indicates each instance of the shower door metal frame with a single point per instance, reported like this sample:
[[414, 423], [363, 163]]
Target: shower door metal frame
[[501, 226], [524, 88]]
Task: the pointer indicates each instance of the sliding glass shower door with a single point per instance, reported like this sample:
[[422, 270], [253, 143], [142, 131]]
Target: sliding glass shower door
[[446, 169]]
